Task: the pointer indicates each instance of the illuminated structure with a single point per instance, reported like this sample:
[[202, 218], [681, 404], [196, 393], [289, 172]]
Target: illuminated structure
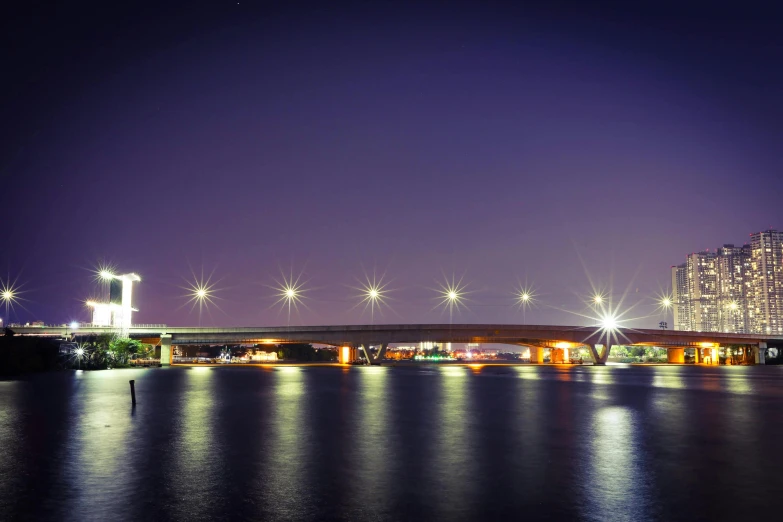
[[766, 285], [598, 339], [347, 354], [733, 276], [680, 299], [703, 291], [118, 312], [734, 289]]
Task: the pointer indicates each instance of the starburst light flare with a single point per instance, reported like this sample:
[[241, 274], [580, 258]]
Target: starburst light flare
[[290, 293], [451, 295], [10, 295], [525, 298], [373, 294], [201, 293], [104, 272]]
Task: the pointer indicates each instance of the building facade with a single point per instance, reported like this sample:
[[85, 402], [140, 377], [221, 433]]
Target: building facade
[[733, 273], [766, 285], [703, 291], [735, 289], [680, 298]]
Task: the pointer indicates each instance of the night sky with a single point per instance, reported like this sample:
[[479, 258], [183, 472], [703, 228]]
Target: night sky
[[498, 142]]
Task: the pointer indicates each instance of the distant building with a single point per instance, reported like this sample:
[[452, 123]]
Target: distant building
[[733, 271], [680, 297], [264, 356], [429, 345], [703, 291], [766, 286], [736, 289]]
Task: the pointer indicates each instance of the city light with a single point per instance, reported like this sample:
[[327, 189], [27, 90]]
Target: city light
[[10, 295], [290, 292], [733, 305], [598, 299], [104, 272], [373, 294], [201, 293], [74, 325], [609, 322], [451, 295], [664, 301], [525, 298]]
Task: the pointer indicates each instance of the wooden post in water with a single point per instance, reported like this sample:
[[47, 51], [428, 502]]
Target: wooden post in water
[[133, 392]]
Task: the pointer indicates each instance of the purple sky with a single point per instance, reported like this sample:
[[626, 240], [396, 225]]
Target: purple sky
[[498, 143]]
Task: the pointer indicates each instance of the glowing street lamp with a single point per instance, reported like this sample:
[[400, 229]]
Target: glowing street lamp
[[289, 294], [525, 299], [201, 293], [609, 322], [104, 272], [451, 296], [10, 295], [373, 293]]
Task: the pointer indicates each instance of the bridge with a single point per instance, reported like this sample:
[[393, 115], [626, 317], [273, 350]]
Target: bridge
[[560, 339]]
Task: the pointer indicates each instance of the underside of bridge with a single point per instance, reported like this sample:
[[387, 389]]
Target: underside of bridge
[[560, 341]]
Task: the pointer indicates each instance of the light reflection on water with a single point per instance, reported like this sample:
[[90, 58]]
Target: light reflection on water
[[432, 443], [285, 485], [10, 431], [613, 465], [454, 452], [373, 441], [193, 446]]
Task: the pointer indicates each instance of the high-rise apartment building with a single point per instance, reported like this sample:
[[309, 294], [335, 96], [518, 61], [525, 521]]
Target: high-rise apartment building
[[733, 275], [766, 287], [703, 291], [681, 298], [737, 289]]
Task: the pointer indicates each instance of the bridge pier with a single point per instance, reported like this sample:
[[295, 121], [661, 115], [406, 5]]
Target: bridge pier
[[697, 356], [558, 355], [760, 352], [165, 350], [536, 355], [599, 358], [381, 352], [675, 355]]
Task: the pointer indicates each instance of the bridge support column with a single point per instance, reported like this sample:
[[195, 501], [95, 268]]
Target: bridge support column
[[366, 350], [676, 355], [697, 356], [381, 352], [760, 352], [536, 355], [599, 358], [165, 350]]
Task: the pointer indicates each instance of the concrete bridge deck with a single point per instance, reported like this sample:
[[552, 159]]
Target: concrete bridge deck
[[533, 336]]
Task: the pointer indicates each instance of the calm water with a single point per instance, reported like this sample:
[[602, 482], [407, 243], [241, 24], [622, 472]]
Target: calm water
[[383, 443]]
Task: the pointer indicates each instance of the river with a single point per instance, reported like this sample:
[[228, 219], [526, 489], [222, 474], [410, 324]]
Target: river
[[391, 443]]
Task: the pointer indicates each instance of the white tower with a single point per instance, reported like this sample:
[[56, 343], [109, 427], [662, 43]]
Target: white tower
[[124, 301], [118, 312]]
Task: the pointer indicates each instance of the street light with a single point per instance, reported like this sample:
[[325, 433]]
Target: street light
[[665, 303]]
